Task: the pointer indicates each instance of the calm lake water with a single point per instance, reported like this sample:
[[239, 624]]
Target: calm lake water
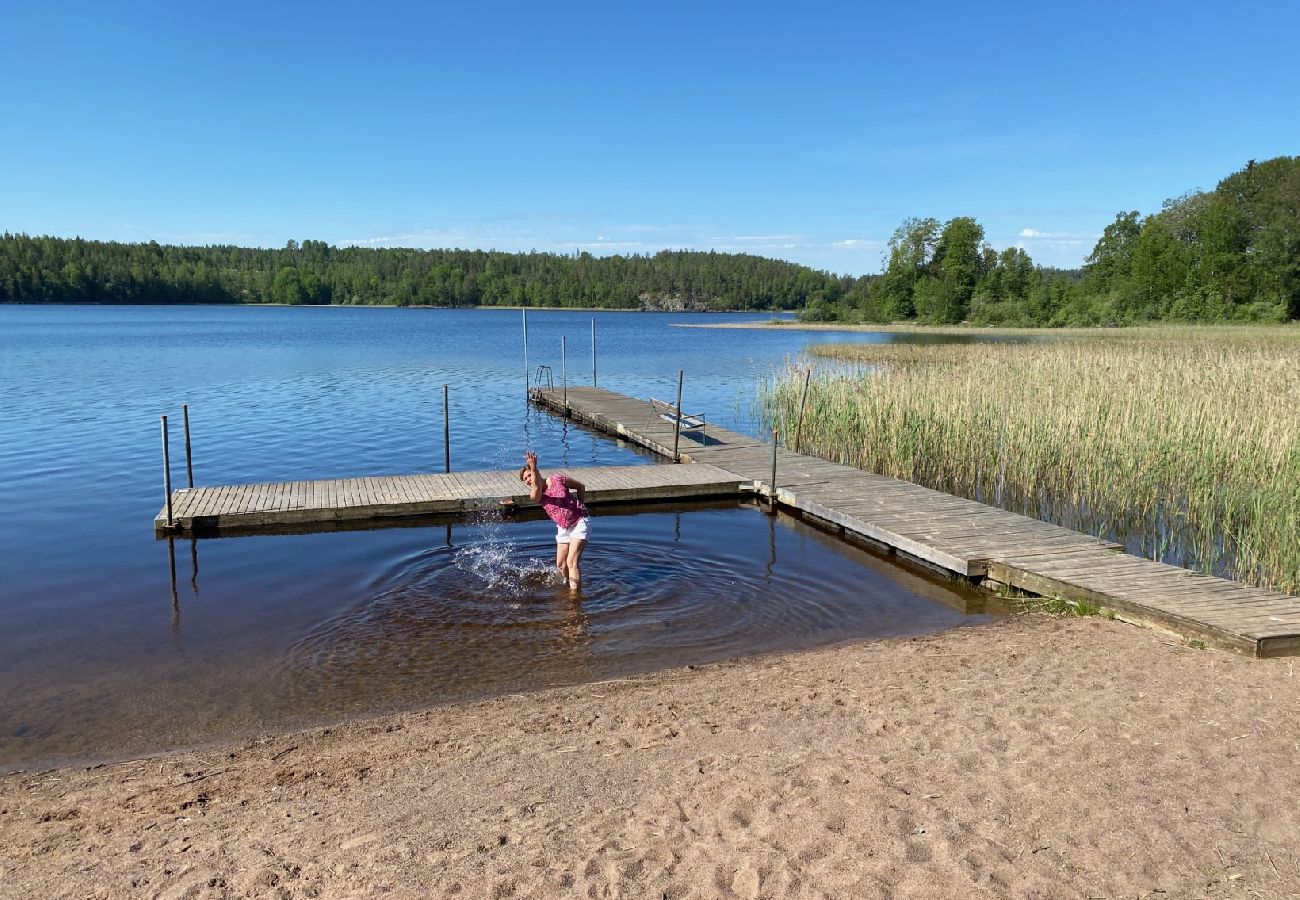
[[102, 657]]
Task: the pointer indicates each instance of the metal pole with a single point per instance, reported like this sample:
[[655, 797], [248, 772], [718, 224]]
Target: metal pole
[[525, 312], [564, 371], [593, 351], [167, 472], [189, 463], [446, 430], [677, 426], [772, 498], [798, 428]]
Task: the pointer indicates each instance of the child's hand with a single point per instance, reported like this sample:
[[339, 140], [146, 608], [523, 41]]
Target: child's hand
[[530, 458]]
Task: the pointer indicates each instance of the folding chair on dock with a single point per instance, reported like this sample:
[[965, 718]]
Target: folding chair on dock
[[668, 412]]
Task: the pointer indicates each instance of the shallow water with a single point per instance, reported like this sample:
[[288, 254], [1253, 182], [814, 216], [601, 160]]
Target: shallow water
[[97, 660]]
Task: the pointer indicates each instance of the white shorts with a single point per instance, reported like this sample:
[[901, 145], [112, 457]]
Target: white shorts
[[578, 532]]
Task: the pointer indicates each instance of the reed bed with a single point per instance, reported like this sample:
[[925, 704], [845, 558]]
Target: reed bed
[[1181, 443]]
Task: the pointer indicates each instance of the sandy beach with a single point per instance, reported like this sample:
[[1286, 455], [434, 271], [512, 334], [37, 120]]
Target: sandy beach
[[1033, 757]]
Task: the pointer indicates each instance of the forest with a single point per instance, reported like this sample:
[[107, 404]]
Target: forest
[[1230, 254], [55, 270]]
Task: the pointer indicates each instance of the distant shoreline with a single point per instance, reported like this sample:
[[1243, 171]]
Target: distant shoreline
[[975, 330], [601, 309]]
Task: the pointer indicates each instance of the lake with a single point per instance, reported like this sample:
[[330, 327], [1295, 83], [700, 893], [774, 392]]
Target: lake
[[103, 656]]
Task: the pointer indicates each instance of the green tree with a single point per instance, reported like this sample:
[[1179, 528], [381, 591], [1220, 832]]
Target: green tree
[[911, 250], [1108, 266], [287, 287], [957, 267]]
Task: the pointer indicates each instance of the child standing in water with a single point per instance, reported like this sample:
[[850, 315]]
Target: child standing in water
[[567, 511]]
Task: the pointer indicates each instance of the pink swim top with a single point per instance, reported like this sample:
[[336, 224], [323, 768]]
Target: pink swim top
[[564, 509]]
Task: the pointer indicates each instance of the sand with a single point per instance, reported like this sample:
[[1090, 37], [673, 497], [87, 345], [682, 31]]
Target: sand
[[1033, 757]]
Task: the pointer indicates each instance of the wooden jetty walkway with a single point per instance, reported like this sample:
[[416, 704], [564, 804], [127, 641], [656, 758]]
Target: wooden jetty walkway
[[964, 537], [246, 506]]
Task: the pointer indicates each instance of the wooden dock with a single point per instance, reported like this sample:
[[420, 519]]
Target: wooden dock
[[964, 537], [248, 506]]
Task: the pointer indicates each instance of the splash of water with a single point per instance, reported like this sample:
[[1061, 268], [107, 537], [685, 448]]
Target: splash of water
[[495, 562]]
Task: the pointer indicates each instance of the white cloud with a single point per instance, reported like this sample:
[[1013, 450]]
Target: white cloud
[[193, 238], [428, 238], [857, 244], [599, 243], [1064, 236], [756, 238]]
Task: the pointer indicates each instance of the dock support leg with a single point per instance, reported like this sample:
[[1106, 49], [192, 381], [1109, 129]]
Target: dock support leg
[[772, 495], [446, 430], [525, 312], [167, 475], [189, 463], [677, 426]]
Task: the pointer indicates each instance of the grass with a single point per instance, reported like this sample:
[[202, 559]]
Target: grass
[[1058, 607], [1020, 601], [1181, 443]]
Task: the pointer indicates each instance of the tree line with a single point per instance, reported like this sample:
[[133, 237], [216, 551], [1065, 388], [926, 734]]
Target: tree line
[[57, 270], [1231, 254]]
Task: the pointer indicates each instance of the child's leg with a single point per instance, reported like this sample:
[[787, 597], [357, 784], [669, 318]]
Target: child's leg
[[562, 559], [574, 561]]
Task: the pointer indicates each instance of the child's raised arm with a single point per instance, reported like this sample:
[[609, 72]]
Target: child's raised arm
[[531, 477]]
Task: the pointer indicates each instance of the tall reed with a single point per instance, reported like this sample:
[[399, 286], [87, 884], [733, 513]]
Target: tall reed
[[1183, 444]]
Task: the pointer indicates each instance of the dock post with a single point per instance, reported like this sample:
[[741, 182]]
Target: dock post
[[798, 428], [593, 351], [446, 431], [564, 372], [772, 497], [525, 312], [167, 473], [189, 464], [677, 425]]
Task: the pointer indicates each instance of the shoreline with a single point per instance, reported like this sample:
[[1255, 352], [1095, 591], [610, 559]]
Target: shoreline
[[587, 309], [1032, 755], [993, 330]]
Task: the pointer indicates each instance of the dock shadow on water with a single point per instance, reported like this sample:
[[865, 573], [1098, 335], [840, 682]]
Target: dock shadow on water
[[441, 615]]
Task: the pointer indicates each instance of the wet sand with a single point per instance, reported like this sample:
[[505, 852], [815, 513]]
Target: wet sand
[[1032, 757]]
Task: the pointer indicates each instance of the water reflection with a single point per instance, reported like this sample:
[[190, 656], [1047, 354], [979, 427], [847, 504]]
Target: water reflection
[[176, 600]]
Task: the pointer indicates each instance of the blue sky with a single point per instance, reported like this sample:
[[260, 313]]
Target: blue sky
[[804, 132]]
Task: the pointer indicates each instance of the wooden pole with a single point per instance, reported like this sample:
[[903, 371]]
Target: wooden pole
[[189, 463], [564, 371], [167, 472], [677, 426], [525, 312], [798, 428], [772, 498], [446, 430]]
